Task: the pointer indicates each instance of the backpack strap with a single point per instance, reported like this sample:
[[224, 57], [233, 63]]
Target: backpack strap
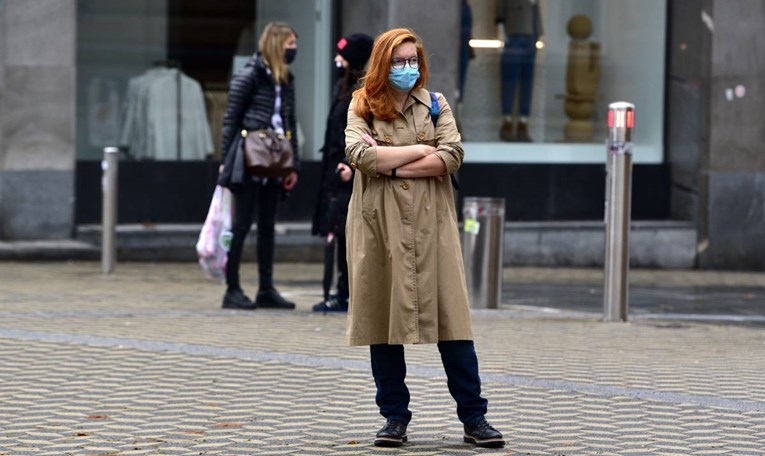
[[435, 110]]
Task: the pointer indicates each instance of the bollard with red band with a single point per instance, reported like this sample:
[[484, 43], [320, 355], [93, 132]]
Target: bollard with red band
[[621, 121]]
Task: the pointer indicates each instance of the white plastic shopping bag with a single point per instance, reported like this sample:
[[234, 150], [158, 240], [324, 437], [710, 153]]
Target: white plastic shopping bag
[[215, 238]]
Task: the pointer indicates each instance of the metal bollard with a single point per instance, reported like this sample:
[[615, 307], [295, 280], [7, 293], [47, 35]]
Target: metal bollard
[[621, 118], [109, 166], [483, 250]]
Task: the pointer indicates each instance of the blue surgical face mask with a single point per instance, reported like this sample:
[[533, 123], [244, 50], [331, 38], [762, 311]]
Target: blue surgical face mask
[[403, 79]]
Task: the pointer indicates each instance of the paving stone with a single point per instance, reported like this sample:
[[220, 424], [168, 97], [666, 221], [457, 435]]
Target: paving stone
[[145, 362]]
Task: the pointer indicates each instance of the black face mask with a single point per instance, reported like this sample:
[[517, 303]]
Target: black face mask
[[339, 71], [289, 55]]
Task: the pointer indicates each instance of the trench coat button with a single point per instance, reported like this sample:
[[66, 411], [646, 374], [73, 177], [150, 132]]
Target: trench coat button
[[404, 185], [421, 136], [388, 138], [353, 165], [244, 133], [374, 132]]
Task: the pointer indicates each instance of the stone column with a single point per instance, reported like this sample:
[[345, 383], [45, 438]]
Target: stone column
[[733, 169], [715, 139], [689, 49], [37, 118]]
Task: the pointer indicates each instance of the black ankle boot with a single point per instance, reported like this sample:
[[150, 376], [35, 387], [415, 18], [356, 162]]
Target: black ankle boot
[[483, 435], [393, 434], [271, 299], [235, 299]]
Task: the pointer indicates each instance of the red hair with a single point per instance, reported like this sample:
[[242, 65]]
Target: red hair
[[375, 96]]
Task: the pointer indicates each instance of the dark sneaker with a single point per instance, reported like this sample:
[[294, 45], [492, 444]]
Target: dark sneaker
[[331, 305], [483, 435], [271, 299], [393, 434], [235, 299]]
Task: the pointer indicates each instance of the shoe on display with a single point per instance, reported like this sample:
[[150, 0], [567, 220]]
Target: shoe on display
[[523, 133], [506, 133]]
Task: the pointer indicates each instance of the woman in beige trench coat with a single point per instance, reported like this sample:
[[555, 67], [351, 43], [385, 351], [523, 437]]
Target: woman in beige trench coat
[[407, 283]]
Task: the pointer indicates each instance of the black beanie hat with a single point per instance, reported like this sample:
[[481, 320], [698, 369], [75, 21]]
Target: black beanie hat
[[356, 49]]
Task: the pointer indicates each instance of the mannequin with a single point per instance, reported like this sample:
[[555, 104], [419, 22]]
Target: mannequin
[[522, 28], [582, 76]]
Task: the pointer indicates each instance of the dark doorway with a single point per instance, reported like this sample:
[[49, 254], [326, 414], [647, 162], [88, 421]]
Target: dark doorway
[[204, 35]]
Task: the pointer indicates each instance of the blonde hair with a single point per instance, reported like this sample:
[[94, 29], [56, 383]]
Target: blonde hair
[[271, 47]]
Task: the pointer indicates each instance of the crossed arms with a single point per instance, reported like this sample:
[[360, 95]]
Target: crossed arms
[[411, 161]]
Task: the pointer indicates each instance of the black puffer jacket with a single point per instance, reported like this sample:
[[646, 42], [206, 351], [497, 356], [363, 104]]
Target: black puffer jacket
[[251, 97], [334, 194]]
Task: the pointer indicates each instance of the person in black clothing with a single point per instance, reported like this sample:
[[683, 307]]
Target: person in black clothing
[[336, 175], [261, 95]]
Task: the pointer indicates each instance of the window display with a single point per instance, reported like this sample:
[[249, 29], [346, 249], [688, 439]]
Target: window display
[[165, 117], [153, 75], [522, 27], [582, 77], [544, 72]]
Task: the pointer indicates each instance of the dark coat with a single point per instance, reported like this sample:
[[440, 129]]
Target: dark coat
[[334, 194], [251, 97]]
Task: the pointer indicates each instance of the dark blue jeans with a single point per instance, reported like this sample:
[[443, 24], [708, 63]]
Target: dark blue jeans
[[461, 366], [518, 71]]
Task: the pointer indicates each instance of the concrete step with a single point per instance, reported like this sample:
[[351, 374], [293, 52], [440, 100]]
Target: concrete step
[[48, 250], [169, 242], [653, 244]]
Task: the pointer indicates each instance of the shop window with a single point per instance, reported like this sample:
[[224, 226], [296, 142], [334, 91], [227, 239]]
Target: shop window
[[153, 74], [538, 75]]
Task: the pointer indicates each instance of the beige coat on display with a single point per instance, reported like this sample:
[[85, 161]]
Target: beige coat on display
[[406, 277]]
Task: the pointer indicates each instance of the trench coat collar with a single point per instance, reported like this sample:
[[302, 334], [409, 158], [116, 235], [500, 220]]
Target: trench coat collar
[[422, 95]]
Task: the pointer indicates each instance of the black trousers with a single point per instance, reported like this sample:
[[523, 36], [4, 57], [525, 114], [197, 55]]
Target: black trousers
[[252, 196], [342, 268], [461, 366], [334, 205]]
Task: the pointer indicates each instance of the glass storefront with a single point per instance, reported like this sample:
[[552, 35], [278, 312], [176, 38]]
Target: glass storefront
[[153, 74], [540, 75]]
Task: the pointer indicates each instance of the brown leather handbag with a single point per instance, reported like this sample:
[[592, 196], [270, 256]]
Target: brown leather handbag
[[268, 153]]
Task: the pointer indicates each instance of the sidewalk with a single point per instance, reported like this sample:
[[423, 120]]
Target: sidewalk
[[670, 295], [145, 362]]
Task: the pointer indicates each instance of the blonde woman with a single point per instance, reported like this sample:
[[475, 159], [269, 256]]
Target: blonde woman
[[407, 284], [261, 95]]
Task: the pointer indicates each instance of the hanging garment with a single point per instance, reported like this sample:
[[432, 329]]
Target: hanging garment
[[158, 103]]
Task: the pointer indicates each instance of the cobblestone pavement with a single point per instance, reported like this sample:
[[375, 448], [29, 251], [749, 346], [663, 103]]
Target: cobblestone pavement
[[144, 362]]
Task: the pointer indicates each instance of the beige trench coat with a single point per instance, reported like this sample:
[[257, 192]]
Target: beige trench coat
[[406, 278]]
